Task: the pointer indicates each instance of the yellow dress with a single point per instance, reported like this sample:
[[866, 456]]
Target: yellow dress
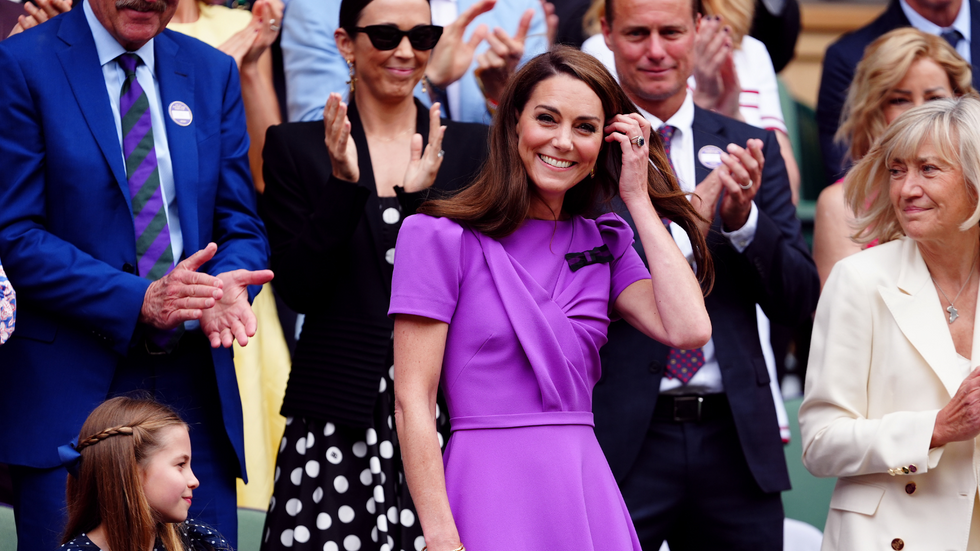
[[262, 366]]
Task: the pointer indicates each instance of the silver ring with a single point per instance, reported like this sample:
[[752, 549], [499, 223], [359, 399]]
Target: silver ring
[[745, 187], [638, 140], [441, 154], [272, 21], [273, 28]]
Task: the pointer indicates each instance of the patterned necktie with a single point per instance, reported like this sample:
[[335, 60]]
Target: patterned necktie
[[153, 252], [154, 255], [681, 364], [952, 36], [666, 135]]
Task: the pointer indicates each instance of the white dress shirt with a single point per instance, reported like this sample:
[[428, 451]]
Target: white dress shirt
[[708, 379], [961, 23]]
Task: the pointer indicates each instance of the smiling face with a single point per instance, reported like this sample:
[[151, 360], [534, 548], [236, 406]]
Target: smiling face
[[929, 196], [653, 43], [924, 81], [559, 135], [387, 74], [133, 22], [168, 481]]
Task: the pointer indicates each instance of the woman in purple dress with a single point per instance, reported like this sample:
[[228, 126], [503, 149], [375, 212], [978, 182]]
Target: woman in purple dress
[[503, 294]]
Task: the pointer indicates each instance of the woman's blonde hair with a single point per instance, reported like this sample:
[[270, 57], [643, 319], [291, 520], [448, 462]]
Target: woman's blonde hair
[[737, 14], [885, 63], [115, 441], [951, 126]]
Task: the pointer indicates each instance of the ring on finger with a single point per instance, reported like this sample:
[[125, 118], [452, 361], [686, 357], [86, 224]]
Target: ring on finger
[[638, 140], [273, 28], [441, 154], [746, 186]]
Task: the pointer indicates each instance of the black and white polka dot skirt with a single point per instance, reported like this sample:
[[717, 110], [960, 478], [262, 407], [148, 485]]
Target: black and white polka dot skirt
[[341, 488]]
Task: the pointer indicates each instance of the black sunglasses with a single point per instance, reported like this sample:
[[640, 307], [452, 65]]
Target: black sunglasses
[[388, 37]]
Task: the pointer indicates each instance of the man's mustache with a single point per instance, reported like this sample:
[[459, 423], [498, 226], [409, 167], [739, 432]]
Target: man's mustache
[[141, 5]]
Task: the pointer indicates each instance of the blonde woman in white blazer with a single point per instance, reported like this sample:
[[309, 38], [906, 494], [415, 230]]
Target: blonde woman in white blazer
[[892, 399]]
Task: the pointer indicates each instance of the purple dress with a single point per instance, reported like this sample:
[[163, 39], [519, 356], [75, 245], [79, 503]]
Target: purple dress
[[523, 467]]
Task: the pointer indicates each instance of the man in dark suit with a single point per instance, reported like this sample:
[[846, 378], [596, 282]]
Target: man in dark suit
[[956, 20], [124, 151], [692, 436]]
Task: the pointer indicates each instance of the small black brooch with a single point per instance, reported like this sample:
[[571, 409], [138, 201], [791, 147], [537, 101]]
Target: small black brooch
[[598, 255]]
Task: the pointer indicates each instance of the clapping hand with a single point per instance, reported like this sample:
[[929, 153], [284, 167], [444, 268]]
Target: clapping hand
[[423, 166], [496, 65], [247, 45], [231, 318], [452, 56], [35, 15], [340, 146], [718, 88], [735, 181]]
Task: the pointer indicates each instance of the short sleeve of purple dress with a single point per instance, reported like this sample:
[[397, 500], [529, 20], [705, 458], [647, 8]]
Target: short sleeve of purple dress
[[527, 315]]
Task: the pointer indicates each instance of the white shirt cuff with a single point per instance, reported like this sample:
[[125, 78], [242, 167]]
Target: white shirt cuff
[[742, 237]]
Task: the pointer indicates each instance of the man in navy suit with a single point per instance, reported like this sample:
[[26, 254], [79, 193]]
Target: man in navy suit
[[124, 171], [692, 436], [956, 20]]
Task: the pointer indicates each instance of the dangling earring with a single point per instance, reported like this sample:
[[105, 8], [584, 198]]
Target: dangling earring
[[353, 79], [592, 174], [424, 91]]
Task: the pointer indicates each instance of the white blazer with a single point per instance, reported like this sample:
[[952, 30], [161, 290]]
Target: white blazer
[[882, 365]]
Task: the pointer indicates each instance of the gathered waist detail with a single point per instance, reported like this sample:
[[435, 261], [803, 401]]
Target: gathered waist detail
[[515, 420]]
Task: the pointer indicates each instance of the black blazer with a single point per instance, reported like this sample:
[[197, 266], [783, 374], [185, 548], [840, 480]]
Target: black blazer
[[330, 263], [839, 63], [775, 271]]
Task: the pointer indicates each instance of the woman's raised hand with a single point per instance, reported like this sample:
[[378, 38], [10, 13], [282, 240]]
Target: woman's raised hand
[[340, 146], [633, 134], [452, 56], [423, 166]]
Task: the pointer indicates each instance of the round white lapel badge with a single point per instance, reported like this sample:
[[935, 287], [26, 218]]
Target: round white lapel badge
[[710, 156], [180, 113]]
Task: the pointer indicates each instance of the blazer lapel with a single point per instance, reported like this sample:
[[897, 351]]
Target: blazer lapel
[[176, 78], [88, 86], [915, 305]]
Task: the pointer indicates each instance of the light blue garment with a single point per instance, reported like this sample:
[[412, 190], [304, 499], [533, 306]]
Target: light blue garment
[[314, 67]]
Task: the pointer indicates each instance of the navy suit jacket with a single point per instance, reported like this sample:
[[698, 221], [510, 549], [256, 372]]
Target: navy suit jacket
[[775, 271], [839, 63], [66, 227]]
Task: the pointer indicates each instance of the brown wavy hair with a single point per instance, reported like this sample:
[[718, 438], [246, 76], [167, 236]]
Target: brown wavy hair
[[499, 199], [115, 441]]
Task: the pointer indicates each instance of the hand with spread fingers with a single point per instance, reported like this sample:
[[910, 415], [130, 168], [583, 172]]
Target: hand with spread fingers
[[497, 64], [632, 131], [231, 318], [340, 146], [424, 165], [550, 20], [741, 182], [452, 55]]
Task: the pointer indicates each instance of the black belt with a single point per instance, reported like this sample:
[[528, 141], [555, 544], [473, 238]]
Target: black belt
[[691, 407]]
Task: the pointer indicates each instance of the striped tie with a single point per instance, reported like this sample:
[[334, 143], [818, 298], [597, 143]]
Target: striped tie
[[681, 364], [153, 252], [154, 255]]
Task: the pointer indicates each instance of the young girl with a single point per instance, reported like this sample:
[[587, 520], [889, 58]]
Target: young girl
[[134, 483]]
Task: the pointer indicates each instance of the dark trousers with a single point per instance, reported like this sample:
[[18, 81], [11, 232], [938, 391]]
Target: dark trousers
[[692, 487], [184, 380]]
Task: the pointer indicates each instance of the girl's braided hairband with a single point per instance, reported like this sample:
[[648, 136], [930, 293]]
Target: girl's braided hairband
[[69, 453]]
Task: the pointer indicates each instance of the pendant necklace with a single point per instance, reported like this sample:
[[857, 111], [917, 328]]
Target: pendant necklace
[[953, 313]]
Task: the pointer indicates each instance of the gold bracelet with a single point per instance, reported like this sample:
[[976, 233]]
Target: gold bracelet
[[460, 548]]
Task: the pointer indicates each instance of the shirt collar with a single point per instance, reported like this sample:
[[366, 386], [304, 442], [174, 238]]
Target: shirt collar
[[961, 23], [682, 120], [107, 47]]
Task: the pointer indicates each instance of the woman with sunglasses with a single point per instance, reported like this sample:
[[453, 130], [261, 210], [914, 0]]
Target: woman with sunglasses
[[336, 193]]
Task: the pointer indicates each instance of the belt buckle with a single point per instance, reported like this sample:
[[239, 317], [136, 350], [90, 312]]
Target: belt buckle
[[687, 408]]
